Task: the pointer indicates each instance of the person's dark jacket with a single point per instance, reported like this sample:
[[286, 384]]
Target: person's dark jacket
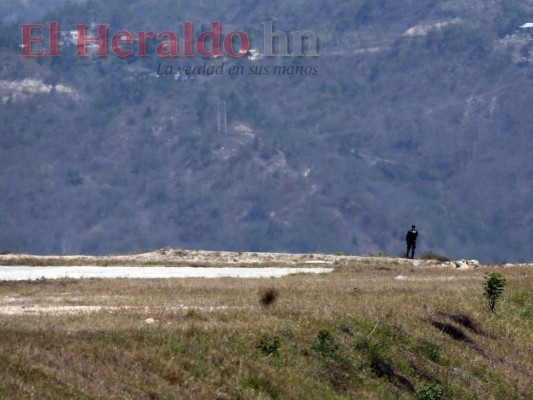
[[411, 236]]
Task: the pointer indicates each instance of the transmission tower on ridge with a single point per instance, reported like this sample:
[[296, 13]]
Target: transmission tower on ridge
[[222, 118]]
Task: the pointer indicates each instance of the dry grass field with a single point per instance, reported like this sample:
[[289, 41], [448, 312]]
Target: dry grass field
[[369, 330]]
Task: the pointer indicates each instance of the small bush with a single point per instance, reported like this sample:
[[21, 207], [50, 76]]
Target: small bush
[[494, 285], [431, 351], [429, 255], [269, 345], [430, 392], [325, 344]]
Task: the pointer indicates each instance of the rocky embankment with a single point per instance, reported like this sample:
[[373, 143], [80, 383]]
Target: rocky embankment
[[180, 257]]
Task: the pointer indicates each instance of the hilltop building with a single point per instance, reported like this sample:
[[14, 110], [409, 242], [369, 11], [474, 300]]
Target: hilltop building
[[69, 37], [527, 27]]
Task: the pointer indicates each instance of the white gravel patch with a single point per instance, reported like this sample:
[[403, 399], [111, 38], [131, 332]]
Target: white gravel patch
[[318, 262], [434, 279], [54, 310], [22, 273]]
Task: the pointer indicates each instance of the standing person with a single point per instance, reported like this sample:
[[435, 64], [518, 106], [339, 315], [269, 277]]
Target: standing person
[[410, 238]]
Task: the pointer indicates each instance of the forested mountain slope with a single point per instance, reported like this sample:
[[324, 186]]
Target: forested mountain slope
[[414, 112]]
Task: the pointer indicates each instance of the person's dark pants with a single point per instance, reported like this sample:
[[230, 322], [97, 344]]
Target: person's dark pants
[[411, 247]]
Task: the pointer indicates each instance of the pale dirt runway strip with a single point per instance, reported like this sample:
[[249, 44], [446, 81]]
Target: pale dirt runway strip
[[22, 273]]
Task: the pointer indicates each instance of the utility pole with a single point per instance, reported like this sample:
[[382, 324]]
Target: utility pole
[[222, 118]]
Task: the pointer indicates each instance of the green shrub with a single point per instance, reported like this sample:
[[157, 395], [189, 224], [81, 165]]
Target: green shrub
[[325, 344], [494, 285], [269, 345], [430, 392], [431, 351]]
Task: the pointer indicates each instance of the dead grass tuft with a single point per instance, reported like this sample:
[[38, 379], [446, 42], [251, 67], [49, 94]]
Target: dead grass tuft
[[268, 297], [337, 374], [452, 331], [383, 369], [465, 321], [457, 334]]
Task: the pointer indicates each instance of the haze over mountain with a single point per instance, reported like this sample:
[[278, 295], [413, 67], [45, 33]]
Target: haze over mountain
[[413, 113]]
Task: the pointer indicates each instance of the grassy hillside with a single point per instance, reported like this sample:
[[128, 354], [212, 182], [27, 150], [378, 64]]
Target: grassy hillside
[[365, 331]]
